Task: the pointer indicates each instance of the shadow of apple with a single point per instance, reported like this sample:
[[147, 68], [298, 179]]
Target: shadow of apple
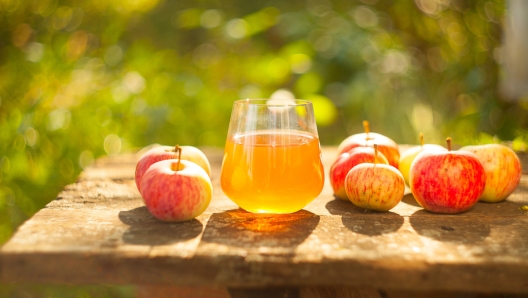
[[363, 221], [450, 228], [145, 229]]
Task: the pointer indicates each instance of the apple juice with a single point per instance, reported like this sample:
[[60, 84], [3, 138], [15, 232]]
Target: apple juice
[[272, 172]]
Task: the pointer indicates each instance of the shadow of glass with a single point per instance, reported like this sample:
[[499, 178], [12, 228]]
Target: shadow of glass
[[450, 228], [364, 221], [240, 228], [145, 229]]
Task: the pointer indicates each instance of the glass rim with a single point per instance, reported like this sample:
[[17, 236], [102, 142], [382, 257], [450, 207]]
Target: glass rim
[[263, 102]]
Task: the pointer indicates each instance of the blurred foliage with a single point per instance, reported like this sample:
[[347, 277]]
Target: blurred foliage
[[80, 79]]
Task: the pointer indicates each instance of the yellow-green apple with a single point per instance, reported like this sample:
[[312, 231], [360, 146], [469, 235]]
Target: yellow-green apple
[[374, 186], [388, 147], [176, 190], [446, 181], [502, 167], [408, 156], [347, 161], [156, 154]]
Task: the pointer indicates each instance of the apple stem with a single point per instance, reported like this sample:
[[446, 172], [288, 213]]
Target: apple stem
[[448, 140], [375, 154], [421, 139], [366, 126], [178, 149]]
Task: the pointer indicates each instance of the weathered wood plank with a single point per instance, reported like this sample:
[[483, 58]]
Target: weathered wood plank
[[98, 230]]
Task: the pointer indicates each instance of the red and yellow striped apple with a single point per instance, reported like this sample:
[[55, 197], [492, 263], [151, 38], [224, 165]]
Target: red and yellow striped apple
[[374, 186], [347, 161], [176, 190], [388, 147], [446, 181], [502, 167]]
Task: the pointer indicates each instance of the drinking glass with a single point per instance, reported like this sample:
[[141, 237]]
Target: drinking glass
[[272, 158]]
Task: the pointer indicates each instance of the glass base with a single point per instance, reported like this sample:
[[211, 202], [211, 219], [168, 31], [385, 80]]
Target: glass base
[[274, 209]]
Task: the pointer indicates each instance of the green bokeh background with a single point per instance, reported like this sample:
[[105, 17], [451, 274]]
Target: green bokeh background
[[82, 79]]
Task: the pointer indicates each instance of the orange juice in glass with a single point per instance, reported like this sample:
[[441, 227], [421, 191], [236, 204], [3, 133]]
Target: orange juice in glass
[[272, 159]]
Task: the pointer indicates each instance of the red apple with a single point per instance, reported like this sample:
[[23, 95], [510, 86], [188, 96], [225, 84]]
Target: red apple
[[347, 161], [176, 190], [388, 147], [410, 154], [447, 181], [154, 155], [374, 186], [502, 167]]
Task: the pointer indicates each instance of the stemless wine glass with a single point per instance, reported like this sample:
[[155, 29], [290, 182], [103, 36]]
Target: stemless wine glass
[[272, 158]]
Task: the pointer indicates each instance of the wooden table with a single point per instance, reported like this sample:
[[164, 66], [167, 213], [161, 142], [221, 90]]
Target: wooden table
[[98, 231]]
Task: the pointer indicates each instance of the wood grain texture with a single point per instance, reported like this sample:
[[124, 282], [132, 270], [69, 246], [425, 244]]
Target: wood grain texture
[[98, 231]]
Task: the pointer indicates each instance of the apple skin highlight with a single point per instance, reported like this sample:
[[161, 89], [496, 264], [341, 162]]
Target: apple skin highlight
[[447, 181], [387, 146]]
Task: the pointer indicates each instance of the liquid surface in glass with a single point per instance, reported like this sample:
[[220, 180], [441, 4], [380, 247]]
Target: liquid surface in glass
[[272, 172]]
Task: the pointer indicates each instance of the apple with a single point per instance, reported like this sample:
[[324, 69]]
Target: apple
[[410, 154], [156, 154], [502, 167], [374, 186], [388, 147], [176, 190], [447, 181], [347, 161]]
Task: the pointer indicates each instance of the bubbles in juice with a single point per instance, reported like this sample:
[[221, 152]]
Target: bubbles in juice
[[272, 172]]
